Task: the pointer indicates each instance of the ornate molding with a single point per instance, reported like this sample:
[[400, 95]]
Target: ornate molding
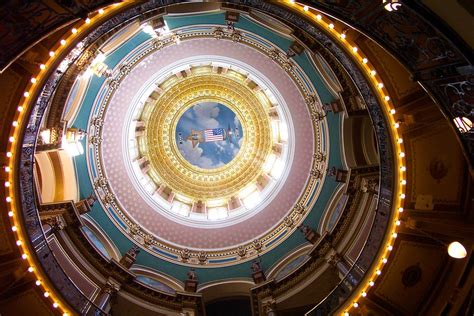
[[282, 230]]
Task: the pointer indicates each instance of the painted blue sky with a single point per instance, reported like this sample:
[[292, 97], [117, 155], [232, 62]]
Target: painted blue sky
[[208, 115], [95, 240]]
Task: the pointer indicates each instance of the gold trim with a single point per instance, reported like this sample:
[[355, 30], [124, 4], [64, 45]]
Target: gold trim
[[172, 169]]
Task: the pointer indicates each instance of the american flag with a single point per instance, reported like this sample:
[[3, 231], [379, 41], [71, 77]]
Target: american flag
[[213, 135]]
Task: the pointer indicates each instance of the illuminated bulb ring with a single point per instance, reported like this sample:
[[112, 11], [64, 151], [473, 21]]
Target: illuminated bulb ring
[[11, 213], [364, 64]]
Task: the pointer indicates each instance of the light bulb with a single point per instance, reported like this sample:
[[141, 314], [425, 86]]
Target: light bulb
[[456, 250]]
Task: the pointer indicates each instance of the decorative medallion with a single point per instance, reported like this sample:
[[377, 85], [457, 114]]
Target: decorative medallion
[[209, 135]]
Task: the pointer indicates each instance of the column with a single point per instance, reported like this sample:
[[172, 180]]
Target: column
[[49, 227], [269, 307], [84, 206], [338, 261], [109, 290], [130, 257]]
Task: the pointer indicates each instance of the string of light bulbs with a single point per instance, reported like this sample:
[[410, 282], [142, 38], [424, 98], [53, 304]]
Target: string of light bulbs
[[399, 190], [14, 148]]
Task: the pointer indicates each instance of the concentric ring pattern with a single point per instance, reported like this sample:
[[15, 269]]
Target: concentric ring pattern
[[220, 182], [247, 187]]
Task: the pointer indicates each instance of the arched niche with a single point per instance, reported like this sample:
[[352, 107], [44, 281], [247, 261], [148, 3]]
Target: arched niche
[[156, 280], [100, 240]]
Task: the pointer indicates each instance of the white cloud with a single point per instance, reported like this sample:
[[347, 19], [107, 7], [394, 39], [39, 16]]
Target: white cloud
[[190, 153], [220, 146], [235, 151], [206, 112], [205, 163], [189, 114], [219, 164], [195, 157], [187, 125], [236, 121]]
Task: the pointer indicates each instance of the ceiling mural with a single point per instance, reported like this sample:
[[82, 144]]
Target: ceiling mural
[[209, 135]]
